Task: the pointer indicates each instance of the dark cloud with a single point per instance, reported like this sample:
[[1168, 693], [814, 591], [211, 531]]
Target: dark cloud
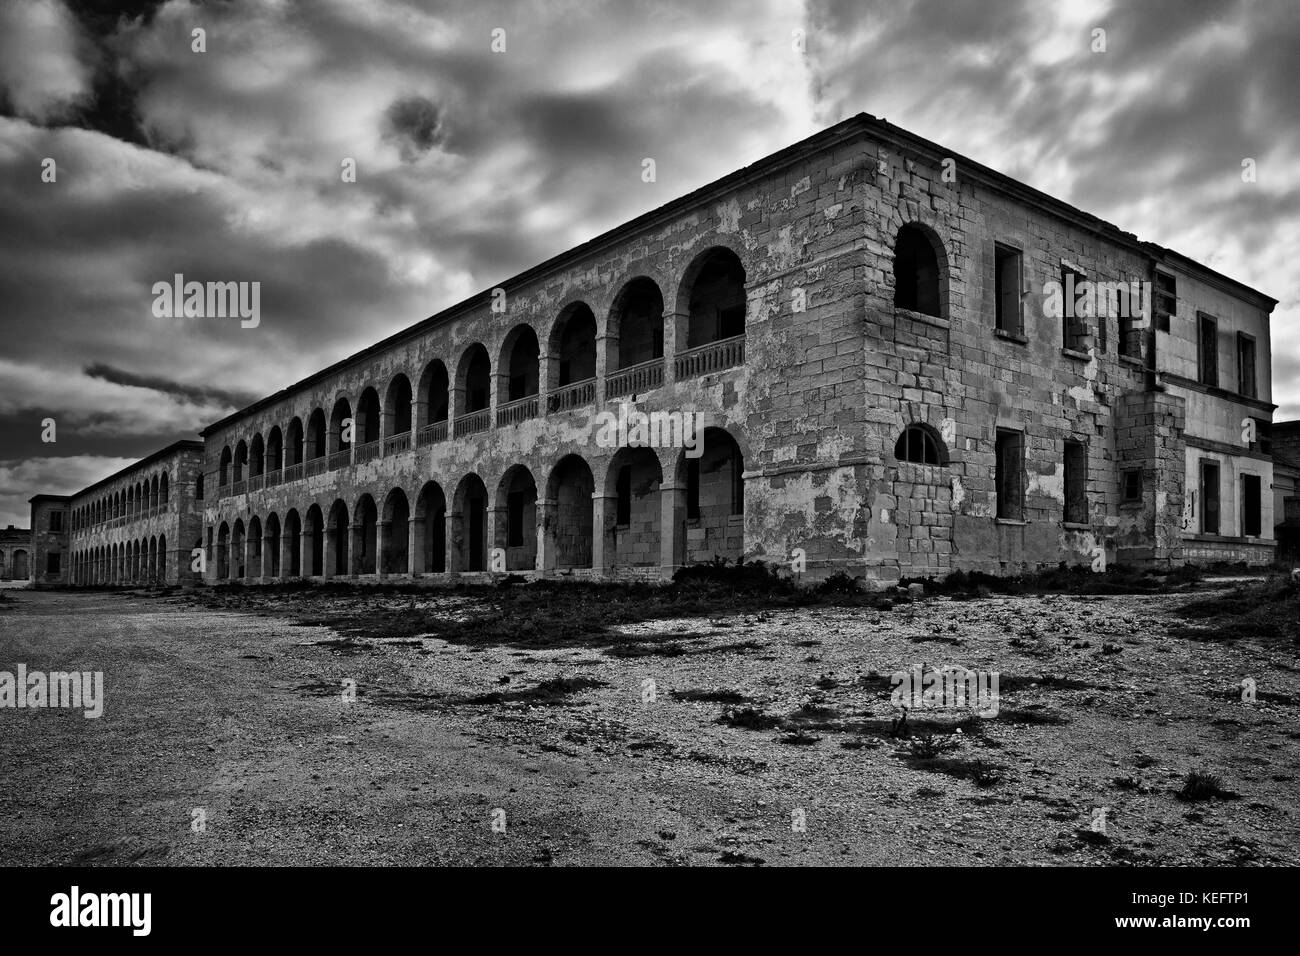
[[414, 124], [193, 394]]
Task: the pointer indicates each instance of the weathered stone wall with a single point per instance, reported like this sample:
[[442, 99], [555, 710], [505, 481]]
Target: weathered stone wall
[[49, 551]]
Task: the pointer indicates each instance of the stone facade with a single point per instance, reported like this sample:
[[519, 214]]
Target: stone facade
[[864, 321], [15, 554], [49, 553], [140, 525]]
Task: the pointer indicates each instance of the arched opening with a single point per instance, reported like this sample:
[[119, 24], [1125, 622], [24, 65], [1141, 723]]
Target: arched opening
[[274, 449], [368, 418], [636, 326], [431, 529], [918, 277], [238, 569], [241, 461], [292, 550], [570, 487], [433, 406], [294, 451], [397, 407], [713, 293], [340, 436], [153, 576], [516, 519], [473, 381], [256, 456], [162, 558], [469, 525], [316, 441], [365, 536], [632, 536], [253, 564], [519, 364], [164, 493], [315, 531], [921, 445], [571, 362], [337, 532], [271, 547], [715, 499], [223, 552], [394, 533]]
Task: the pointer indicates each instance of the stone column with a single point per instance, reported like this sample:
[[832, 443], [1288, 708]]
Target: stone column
[[602, 556], [546, 511], [672, 514]]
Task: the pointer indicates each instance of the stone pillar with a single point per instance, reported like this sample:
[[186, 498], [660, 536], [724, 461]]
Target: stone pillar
[[547, 513], [415, 546], [676, 329], [672, 515], [383, 533], [606, 362], [602, 507], [454, 541]]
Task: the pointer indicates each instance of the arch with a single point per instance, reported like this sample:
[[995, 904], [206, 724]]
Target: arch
[[633, 530], [271, 547], [256, 456], [162, 559], [469, 525], [368, 419], [571, 352], [337, 532], [365, 536], [275, 448], [223, 552], [433, 400], [473, 380], [636, 324], [569, 488], [240, 468], [714, 501], [920, 444], [712, 296], [223, 467], [314, 529], [293, 442], [516, 519], [397, 406], [431, 529], [518, 365], [291, 561], [920, 271], [19, 563], [394, 534], [338, 440], [152, 562]]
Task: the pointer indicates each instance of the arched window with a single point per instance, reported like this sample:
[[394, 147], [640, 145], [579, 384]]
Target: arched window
[[917, 276], [919, 444]]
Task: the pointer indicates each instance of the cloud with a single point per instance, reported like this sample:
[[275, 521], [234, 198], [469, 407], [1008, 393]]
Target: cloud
[[47, 64], [413, 123], [20, 479]]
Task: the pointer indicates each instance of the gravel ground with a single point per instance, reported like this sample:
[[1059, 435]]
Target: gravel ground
[[240, 712]]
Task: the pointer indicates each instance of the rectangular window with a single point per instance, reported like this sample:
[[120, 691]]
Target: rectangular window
[[1130, 336], [53, 562], [1246, 365], [1007, 288], [1010, 474], [1076, 482], [1073, 327], [1251, 512], [56, 520], [1131, 485], [1208, 350], [692, 489], [1209, 497], [624, 492], [515, 519], [1165, 300]]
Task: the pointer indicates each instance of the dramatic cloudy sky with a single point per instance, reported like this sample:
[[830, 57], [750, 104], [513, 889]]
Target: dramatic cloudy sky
[[473, 165]]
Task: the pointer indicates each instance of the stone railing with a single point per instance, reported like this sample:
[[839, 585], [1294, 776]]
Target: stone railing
[[479, 421], [395, 444], [368, 452], [315, 466], [340, 459], [635, 378], [568, 397], [521, 409], [256, 482], [713, 357], [274, 477], [292, 472], [238, 487], [433, 432]]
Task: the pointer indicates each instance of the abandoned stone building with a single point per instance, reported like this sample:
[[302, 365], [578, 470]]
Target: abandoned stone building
[[900, 372], [15, 554], [137, 526]]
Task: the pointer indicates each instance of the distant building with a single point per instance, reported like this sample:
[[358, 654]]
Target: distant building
[[1286, 489], [15, 554]]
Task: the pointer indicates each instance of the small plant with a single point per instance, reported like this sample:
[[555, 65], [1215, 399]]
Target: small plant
[[1199, 786], [750, 718], [928, 746]]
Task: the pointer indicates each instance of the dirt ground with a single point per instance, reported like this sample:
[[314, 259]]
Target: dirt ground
[[746, 738]]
